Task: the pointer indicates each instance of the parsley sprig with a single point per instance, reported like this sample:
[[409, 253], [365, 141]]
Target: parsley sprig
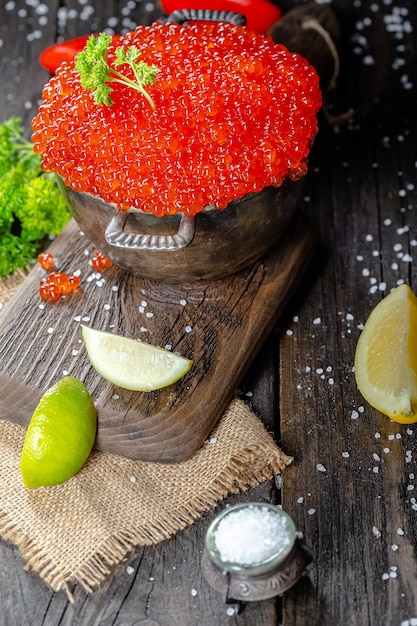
[[31, 205], [96, 74]]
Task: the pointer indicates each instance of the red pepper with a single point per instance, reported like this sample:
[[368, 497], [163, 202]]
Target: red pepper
[[260, 14], [52, 57]]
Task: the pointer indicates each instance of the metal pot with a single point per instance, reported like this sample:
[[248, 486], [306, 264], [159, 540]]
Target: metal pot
[[178, 248]]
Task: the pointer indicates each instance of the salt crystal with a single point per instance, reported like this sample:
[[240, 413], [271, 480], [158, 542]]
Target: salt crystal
[[400, 532], [376, 532], [311, 511], [193, 592], [252, 535], [300, 500], [317, 321], [320, 467], [345, 455], [354, 415]]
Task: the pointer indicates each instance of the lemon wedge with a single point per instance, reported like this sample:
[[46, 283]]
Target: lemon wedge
[[386, 356], [60, 435], [131, 363]]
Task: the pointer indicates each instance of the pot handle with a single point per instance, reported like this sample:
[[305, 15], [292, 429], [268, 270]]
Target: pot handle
[[116, 236], [205, 15]]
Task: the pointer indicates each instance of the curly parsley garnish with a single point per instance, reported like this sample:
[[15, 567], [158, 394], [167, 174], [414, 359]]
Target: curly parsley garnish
[[96, 74], [31, 204]]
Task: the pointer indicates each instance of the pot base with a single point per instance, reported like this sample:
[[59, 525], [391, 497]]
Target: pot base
[[223, 242]]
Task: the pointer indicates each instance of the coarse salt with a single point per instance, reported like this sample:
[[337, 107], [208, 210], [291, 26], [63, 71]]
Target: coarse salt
[[251, 535]]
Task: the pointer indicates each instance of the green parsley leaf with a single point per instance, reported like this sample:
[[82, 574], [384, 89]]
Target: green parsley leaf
[[96, 74], [31, 204]]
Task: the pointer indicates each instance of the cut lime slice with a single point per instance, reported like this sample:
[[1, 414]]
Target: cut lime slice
[[131, 363]]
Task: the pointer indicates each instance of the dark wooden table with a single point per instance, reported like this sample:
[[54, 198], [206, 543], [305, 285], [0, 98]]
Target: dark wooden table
[[351, 487]]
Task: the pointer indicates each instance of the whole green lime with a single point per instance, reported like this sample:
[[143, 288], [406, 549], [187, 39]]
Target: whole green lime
[[60, 435]]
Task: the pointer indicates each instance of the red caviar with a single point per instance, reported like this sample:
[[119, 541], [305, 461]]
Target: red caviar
[[55, 284], [100, 261], [235, 113], [46, 260]]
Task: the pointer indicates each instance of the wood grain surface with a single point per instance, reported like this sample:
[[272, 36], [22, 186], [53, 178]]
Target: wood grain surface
[[219, 325], [352, 485]]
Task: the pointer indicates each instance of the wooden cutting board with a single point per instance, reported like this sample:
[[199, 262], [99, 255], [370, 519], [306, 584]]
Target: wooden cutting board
[[220, 325]]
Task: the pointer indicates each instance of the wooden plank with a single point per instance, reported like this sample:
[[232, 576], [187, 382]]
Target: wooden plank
[[219, 325], [357, 516]]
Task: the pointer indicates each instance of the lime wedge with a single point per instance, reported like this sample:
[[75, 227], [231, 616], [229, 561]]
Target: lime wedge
[[60, 435], [131, 363]]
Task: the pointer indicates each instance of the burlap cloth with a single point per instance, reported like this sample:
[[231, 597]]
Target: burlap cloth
[[76, 531]]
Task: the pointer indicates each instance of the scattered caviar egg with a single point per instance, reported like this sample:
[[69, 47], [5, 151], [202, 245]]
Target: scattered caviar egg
[[46, 260], [57, 284], [100, 261], [235, 113], [49, 291]]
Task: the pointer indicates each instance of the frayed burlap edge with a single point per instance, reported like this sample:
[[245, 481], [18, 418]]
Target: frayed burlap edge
[[251, 466]]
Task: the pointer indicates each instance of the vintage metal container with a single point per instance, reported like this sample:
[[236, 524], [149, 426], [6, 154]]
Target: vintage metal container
[[177, 248], [266, 579]]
